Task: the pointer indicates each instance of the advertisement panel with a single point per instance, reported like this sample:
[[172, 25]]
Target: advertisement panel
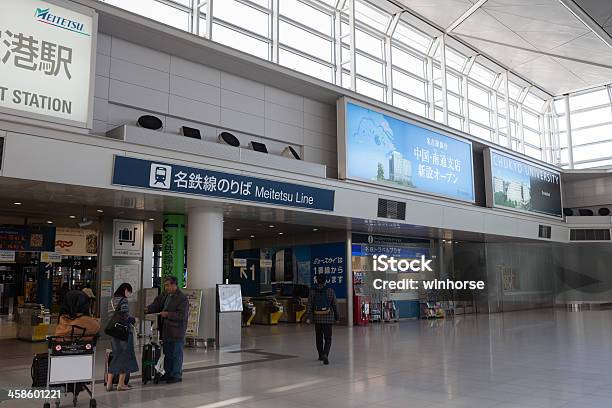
[[383, 149], [76, 242], [173, 247], [47, 60], [523, 186], [27, 238]]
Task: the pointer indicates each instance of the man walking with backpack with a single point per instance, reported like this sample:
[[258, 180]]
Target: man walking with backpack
[[323, 312]]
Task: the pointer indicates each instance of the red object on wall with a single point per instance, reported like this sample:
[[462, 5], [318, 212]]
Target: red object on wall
[[361, 310]]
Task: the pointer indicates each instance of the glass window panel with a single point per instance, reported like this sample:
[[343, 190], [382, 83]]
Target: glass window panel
[[532, 137], [595, 98], [564, 156], [533, 152], [480, 131], [372, 16], [453, 83], [155, 10], [242, 16], [592, 117], [408, 62], [515, 90], [306, 15], [368, 43], [482, 74], [369, 68], [240, 41], [562, 124], [409, 104], [305, 65], [346, 56], [304, 41], [455, 122], [263, 3], [503, 140], [437, 75], [371, 90], [594, 134], [454, 104], [501, 106], [531, 120], [480, 115], [478, 95], [408, 84], [412, 37], [560, 106], [346, 80], [534, 102], [454, 59], [439, 115], [598, 163], [563, 139], [593, 152]]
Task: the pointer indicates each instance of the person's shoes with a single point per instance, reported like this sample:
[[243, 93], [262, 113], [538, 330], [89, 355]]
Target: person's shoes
[[325, 360], [164, 377], [173, 380]]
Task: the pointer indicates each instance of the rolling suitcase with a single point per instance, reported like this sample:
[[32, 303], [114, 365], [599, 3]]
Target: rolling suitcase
[[150, 356]]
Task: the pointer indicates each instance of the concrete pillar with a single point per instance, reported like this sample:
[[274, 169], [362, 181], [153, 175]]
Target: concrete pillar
[[205, 261]]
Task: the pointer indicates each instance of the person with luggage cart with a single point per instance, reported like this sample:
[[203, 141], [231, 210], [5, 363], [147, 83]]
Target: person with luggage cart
[[124, 357], [173, 308]]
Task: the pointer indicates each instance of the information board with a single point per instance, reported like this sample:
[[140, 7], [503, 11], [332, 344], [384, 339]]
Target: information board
[[195, 305], [230, 298]]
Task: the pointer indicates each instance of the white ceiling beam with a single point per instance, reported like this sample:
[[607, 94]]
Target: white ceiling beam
[[588, 21], [465, 16]]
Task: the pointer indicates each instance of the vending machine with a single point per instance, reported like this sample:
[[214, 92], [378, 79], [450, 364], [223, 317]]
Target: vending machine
[[361, 309]]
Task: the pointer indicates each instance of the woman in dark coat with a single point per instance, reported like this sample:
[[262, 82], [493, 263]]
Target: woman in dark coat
[[124, 358]]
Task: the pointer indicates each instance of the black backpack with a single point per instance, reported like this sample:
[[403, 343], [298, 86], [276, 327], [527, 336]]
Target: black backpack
[[320, 302]]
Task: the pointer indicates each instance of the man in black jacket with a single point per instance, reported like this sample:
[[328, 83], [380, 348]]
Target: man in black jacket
[[324, 299], [173, 308]]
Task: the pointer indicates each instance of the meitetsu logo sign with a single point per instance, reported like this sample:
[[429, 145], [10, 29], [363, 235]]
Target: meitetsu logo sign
[[46, 16], [46, 61]]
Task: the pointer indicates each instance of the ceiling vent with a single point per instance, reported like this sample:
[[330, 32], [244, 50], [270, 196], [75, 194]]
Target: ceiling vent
[[589, 234]]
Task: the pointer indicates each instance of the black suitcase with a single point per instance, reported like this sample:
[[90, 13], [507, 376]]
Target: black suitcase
[[150, 356], [109, 357], [40, 365]]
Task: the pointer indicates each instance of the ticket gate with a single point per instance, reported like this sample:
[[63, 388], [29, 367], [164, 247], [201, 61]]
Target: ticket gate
[[294, 309], [248, 312], [267, 310]]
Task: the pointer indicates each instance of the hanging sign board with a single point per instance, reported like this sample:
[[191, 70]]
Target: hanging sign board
[[76, 241], [50, 257], [7, 256], [127, 238]]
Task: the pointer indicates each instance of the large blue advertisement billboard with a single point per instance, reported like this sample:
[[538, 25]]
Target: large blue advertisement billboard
[[519, 185], [386, 150]]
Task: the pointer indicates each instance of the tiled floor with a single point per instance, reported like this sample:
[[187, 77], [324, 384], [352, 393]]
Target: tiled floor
[[539, 359]]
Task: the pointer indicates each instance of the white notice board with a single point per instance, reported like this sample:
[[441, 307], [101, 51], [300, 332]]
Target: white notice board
[[127, 274], [230, 298]]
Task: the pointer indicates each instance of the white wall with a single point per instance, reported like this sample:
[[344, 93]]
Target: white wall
[[132, 80]]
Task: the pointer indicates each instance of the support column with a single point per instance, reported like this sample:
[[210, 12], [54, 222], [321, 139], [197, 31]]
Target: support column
[[205, 262]]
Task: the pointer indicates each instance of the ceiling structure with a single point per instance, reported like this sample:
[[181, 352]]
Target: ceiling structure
[[548, 42]]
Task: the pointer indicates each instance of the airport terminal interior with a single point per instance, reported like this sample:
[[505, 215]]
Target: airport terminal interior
[[444, 166]]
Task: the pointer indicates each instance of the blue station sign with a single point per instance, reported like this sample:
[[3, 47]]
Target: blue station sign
[[153, 175]]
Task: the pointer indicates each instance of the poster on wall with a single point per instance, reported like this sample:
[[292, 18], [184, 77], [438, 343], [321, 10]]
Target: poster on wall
[[330, 260], [76, 241], [47, 54], [27, 238], [385, 150], [127, 274], [127, 238], [173, 247], [519, 185]]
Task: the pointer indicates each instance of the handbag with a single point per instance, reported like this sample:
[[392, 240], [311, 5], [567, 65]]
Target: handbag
[[116, 327]]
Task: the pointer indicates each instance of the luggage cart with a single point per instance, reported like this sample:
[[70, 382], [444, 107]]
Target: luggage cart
[[72, 366]]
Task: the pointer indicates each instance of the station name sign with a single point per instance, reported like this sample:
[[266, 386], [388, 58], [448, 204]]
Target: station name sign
[[132, 172], [46, 60]]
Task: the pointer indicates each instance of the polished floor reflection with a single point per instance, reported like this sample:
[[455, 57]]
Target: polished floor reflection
[[539, 359]]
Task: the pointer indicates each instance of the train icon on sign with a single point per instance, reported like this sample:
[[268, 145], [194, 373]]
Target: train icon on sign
[[160, 176]]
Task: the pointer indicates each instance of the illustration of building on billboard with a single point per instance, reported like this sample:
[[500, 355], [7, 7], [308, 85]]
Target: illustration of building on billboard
[[512, 193], [400, 169]]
